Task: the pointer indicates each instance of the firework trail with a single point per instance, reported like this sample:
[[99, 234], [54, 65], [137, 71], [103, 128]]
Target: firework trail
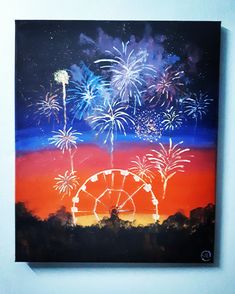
[[167, 86], [148, 126], [168, 161], [87, 92], [109, 120], [196, 105], [129, 72], [49, 106], [66, 183], [65, 139], [171, 119], [143, 168], [62, 77]]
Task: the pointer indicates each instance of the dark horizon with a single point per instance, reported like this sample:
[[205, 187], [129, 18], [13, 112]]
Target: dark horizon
[[178, 239]]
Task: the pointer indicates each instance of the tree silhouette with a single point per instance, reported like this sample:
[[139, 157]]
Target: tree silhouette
[[60, 217], [177, 239]]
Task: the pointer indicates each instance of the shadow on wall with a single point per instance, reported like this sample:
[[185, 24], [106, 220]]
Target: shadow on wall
[[221, 145]]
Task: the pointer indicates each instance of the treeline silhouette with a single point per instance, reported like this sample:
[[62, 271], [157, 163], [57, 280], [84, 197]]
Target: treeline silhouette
[[177, 239]]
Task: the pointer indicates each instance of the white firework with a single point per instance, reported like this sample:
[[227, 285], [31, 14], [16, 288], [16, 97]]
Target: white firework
[[129, 70], [196, 105], [168, 161], [65, 140], [171, 119], [62, 77], [143, 168], [49, 107], [110, 119], [66, 183]]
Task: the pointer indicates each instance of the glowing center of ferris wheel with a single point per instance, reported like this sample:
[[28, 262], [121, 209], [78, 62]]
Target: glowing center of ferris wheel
[[120, 199]]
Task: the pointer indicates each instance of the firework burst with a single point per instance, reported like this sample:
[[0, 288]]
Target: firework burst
[[110, 119], [196, 105], [168, 161], [148, 126], [171, 119], [66, 183], [143, 168], [65, 140], [166, 87], [61, 77], [49, 106], [129, 70], [87, 93]]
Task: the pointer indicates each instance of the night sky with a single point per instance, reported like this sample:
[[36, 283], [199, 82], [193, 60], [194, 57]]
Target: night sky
[[161, 78], [43, 47]]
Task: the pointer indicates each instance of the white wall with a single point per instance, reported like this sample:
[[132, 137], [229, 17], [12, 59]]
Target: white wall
[[20, 277]]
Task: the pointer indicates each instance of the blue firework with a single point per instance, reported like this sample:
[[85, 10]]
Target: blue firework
[[86, 92], [197, 105]]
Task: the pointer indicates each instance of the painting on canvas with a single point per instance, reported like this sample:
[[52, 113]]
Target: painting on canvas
[[116, 140]]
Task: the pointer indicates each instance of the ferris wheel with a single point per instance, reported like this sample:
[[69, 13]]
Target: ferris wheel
[[114, 189]]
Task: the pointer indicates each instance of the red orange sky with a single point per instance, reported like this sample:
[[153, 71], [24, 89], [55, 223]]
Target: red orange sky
[[35, 173]]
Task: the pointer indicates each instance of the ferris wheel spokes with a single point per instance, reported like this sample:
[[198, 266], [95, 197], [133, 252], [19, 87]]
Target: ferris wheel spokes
[[122, 186], [97, 200], [132, 195], [116, 189]]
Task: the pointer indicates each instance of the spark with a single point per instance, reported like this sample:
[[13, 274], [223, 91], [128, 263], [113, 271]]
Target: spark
[[167, 85], [168, 161], [147, 126], [196, 105], [86, 93], [66, 183], [143, 168], [65, 140], [62, 77], [49, 106], [129, 70], [171, 119], [110, 119]]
